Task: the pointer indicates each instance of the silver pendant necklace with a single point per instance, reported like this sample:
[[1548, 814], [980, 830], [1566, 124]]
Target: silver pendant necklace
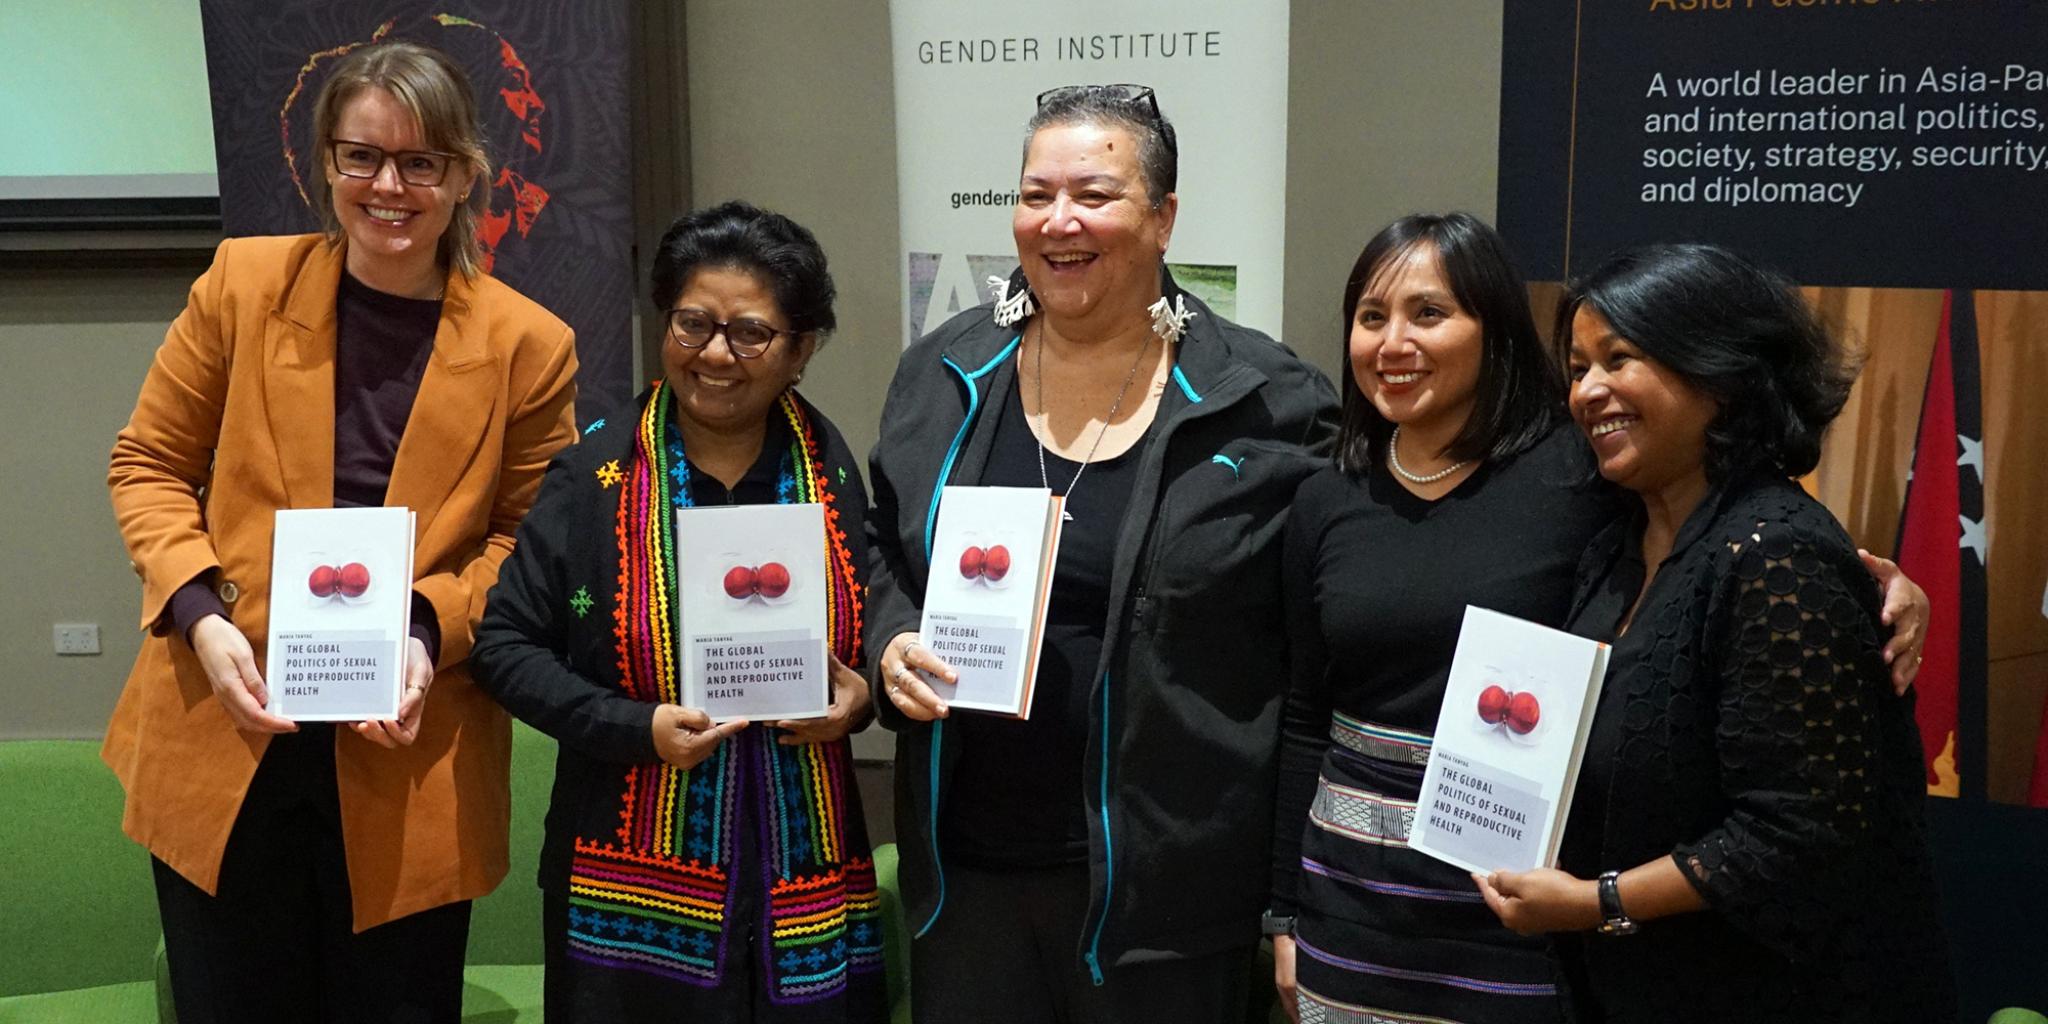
[[1394, 460], [1129, 375]]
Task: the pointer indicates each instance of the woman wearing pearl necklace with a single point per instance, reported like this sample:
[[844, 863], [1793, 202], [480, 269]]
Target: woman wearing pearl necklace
[[1457, 481]]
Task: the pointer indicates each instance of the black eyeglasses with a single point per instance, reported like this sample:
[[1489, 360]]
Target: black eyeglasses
[[415, 166], [694, 328], [1136, 95]]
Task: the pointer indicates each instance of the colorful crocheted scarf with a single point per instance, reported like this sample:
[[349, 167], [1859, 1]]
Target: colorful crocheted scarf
[[656, 893]]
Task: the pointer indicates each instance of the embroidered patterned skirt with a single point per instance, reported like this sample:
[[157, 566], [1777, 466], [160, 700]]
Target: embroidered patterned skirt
[[742, 890], [1385, 934]]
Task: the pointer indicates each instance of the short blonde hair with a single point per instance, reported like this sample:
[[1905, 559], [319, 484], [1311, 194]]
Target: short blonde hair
[[435, 90]]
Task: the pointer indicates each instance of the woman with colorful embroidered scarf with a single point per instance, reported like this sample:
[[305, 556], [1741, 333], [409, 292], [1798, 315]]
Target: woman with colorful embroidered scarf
[[693, 871]]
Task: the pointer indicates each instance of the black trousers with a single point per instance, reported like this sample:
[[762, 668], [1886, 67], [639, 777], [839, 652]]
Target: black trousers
[[1005, 951], [276, 942]]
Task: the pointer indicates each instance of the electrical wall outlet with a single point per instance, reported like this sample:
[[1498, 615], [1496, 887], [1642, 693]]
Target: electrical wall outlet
[[77, 637]]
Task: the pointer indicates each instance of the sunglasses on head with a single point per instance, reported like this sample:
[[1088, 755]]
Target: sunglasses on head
[[1136, 95]]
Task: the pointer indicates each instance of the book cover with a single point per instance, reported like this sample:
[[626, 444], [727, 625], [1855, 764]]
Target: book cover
[[752, 581], [1509, 741], [985, 600], [340, 611]]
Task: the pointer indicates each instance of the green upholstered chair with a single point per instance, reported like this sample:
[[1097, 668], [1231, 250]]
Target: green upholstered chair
[[502, 984], [79, 926], [895, 934]]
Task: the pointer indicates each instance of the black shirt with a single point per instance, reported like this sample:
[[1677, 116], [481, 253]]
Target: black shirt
[[762, 483], [1748, 730], [1016, 797], [381, 346], [1376, 580]]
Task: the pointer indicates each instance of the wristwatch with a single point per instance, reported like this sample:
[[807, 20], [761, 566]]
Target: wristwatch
[[1613, 919], [1276, 924]]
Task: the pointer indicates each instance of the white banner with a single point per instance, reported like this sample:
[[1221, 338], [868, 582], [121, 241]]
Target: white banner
[[967, 76]]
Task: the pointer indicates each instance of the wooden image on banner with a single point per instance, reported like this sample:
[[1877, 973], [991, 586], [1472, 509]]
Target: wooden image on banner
[[550, 85]]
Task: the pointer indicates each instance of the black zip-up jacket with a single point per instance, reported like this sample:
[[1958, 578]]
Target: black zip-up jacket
[[1181, 760]]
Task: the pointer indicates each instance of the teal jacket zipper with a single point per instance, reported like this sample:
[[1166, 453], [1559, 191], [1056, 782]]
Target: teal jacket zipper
[[1094, 954], [931, 520]]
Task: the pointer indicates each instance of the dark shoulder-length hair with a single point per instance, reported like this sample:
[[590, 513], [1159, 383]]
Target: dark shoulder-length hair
[[783, 253], [1738, 332], [1520, 392]]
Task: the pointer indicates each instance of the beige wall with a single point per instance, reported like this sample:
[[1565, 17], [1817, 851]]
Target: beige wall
[[74, 345], [1392, 108]]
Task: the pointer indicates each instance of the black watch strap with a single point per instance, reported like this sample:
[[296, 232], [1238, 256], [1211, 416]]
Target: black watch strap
[[1613, 919]]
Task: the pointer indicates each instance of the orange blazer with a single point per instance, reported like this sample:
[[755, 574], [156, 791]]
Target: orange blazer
[[236, 420]]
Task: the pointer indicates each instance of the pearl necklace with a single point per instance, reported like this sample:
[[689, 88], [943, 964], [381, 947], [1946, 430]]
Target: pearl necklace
[[1394, 460]]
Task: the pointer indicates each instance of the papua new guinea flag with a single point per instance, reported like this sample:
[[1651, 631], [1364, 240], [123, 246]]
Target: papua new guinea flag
[[1942, 545], [2037, 791]]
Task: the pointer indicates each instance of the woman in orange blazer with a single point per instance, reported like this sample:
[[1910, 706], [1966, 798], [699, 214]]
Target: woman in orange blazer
[[310, 865]]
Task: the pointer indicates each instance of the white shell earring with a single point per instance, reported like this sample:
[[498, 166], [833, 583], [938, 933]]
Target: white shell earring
[[1010, 308], [1170, 322]]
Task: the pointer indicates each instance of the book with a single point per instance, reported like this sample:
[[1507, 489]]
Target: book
[[753, 589], [340, 613], [1509, 741], [986, 595]]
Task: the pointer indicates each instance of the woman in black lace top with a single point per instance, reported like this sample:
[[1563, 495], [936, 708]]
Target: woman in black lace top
[[1746, 841]]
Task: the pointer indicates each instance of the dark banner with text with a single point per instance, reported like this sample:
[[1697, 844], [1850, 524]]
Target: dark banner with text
[[1892, 157], [1900, 143], [551, 88]]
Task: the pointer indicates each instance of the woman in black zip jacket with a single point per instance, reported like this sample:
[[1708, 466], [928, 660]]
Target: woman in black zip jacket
[[1104, 860]]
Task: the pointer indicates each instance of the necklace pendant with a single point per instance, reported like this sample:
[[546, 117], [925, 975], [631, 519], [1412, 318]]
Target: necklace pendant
[[1066, 516]]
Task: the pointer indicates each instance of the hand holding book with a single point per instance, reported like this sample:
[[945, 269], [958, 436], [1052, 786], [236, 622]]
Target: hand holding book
[[401, 731], [849, 710], [230, 665], [1549, 900], [685, 736], [985, 599], [905, 663]]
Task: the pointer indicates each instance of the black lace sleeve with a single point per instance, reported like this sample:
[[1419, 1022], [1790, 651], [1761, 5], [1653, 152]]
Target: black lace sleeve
[[1305, 714], [1798, 736]]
